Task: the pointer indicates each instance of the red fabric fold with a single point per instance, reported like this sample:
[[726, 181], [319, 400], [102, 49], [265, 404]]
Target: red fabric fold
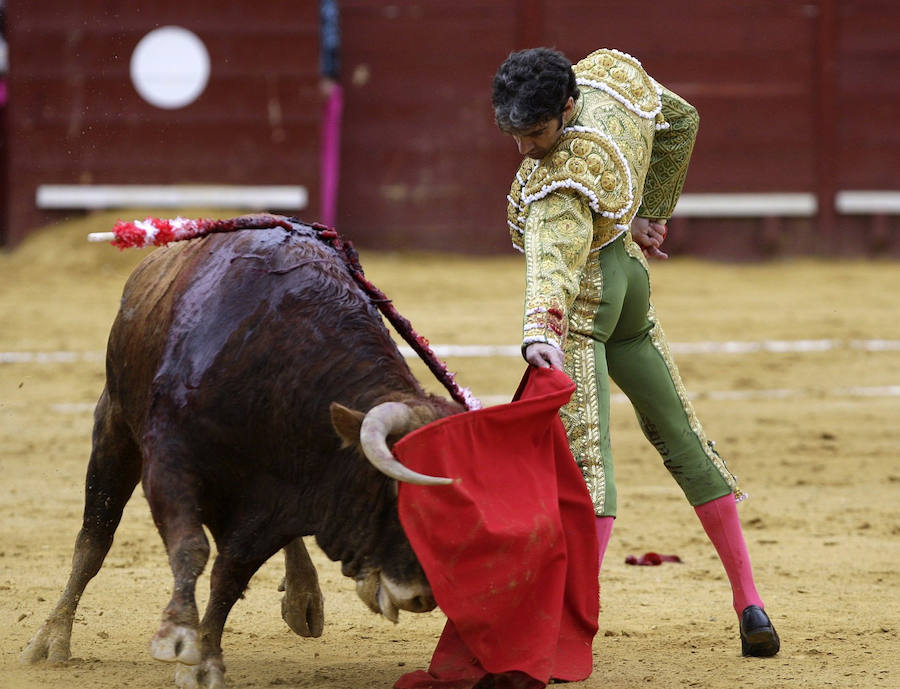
[[509, 549]]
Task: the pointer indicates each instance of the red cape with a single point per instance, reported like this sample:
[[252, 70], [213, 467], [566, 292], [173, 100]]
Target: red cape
[[509, 549]]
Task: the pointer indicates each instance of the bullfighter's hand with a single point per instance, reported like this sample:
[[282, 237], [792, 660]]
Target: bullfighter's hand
[[544, 355], [649, 235]]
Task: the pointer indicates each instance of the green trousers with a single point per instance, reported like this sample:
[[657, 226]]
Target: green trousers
[[614, 334]]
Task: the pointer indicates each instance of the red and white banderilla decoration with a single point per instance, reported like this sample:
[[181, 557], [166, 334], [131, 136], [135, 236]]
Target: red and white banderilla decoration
[[159, 232]]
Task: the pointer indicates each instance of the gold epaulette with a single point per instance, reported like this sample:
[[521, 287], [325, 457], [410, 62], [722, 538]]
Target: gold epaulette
[[622, 77], [589, 162]]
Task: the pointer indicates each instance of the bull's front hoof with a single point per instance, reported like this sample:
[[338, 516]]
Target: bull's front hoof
[[208, 675], [303, 611], [51, 643], [174, 643]]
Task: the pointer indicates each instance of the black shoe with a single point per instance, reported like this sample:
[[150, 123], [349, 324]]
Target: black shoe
[[758, 635]]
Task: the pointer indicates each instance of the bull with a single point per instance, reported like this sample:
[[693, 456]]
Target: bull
[[249, 378]]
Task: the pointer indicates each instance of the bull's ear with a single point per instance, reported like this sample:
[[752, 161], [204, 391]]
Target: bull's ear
[[347, 423]]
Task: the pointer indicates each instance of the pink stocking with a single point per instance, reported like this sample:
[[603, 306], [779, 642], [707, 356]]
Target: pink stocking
[[604, 527], [720, 521]]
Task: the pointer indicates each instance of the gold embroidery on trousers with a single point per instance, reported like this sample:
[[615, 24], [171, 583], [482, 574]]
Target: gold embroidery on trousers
[[581, 416]]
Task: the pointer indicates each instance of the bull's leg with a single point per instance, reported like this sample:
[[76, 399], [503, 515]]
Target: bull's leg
[[174, 505], [113, 471], [302, 606], [228, 580]]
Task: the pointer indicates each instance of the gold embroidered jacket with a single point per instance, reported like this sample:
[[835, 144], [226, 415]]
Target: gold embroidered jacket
[[624, 152]]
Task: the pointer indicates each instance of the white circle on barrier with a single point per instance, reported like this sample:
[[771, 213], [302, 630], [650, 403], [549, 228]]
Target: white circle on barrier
[[170, 67]]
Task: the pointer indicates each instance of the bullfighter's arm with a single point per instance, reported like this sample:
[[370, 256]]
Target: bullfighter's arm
[[670, 157], [557, 240]]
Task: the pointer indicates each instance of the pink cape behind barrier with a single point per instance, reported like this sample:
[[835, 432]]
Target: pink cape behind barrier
[[330, 155]]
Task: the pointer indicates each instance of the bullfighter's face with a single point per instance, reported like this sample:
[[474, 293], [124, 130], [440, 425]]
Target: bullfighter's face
[[537, 141]]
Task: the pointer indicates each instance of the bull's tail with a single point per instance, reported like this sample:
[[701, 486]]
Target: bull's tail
[[159, 232]]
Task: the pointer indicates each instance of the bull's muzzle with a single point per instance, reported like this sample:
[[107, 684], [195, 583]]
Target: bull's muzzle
[[387, 597]]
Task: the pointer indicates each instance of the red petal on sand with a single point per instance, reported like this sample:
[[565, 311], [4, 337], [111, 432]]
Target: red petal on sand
[[651, 559]]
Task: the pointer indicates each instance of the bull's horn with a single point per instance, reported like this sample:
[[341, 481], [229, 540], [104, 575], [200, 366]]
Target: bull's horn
[[381, 421]]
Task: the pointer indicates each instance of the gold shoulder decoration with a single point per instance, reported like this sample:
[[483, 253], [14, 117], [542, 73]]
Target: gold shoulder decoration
[[515, 207], [588, 161], [622, 77]]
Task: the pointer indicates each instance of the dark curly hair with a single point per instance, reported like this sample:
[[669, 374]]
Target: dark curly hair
[[531, 87]]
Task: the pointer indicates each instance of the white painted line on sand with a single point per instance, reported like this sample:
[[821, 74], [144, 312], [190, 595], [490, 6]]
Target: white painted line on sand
[[489, 351], [726, 347], [748, 395], [620, 398]]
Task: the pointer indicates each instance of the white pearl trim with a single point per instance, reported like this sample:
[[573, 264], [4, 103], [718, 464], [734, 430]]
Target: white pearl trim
[[536, 309], [541, 338], [648, 114], [593, 200], [612, 93]]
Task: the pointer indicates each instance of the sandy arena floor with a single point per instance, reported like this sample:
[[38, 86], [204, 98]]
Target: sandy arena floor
[[813, 436]]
